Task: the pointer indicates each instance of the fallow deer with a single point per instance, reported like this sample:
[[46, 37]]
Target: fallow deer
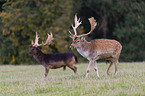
[[95, 49], [52, 61]]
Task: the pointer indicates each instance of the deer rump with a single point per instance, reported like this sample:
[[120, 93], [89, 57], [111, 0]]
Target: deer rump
[[106, 48], [58, 60]]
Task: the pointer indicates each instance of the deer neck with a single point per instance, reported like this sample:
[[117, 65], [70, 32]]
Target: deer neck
[[39, 56], [84, 50]]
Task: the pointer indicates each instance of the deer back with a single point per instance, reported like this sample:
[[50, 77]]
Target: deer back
[[59, 57], [105, 48]]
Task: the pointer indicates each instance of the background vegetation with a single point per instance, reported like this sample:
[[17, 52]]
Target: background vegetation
[[28, 80], [122, 20]]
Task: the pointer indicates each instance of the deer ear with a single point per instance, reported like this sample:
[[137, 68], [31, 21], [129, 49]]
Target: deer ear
[[82, 38]]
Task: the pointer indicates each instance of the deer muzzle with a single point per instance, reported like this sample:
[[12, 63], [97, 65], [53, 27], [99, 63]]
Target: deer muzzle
[[71, 47]]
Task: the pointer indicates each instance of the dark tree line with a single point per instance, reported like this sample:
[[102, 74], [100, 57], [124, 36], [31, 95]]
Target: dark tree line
[[122, 20]]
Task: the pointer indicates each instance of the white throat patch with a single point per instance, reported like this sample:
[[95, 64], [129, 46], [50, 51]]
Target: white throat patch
[[83, 53]]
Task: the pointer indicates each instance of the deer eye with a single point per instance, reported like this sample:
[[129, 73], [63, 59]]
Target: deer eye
[[78, 41]]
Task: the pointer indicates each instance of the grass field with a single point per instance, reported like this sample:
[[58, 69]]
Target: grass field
[[29, 81]]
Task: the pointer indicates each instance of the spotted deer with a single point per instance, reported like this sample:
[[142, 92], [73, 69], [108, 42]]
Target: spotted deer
[[95, 49], [52, 61]]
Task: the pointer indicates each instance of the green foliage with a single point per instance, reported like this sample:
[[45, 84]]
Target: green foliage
[[132, 32], [20, 19]]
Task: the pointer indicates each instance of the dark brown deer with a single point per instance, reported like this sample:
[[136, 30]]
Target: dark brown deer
[[95, 49], [52, 61]]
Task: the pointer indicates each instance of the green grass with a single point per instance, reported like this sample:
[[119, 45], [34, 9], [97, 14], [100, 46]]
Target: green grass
[[29, 81]]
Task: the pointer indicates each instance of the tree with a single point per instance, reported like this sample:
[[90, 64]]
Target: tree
[[131, 31], [22, 18]]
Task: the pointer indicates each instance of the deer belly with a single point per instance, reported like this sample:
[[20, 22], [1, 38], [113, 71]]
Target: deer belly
[[105, 55], [55, 65]]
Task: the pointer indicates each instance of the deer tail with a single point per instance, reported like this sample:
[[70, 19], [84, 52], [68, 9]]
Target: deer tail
[[76, 59]]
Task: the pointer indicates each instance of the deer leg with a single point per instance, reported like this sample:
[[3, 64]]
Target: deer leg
[[89, 67], [116, 67], [73, 68], [96, 68], [109, 67], [46, 72], [64, 67]]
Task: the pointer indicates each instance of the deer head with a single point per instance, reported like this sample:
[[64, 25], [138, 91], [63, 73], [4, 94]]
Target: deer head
[[35, 45], [79, 39]]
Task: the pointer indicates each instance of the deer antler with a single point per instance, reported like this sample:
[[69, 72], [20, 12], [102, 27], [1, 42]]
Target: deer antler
[[77, 23], [93, 25], [36, 41], [48, 41]]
